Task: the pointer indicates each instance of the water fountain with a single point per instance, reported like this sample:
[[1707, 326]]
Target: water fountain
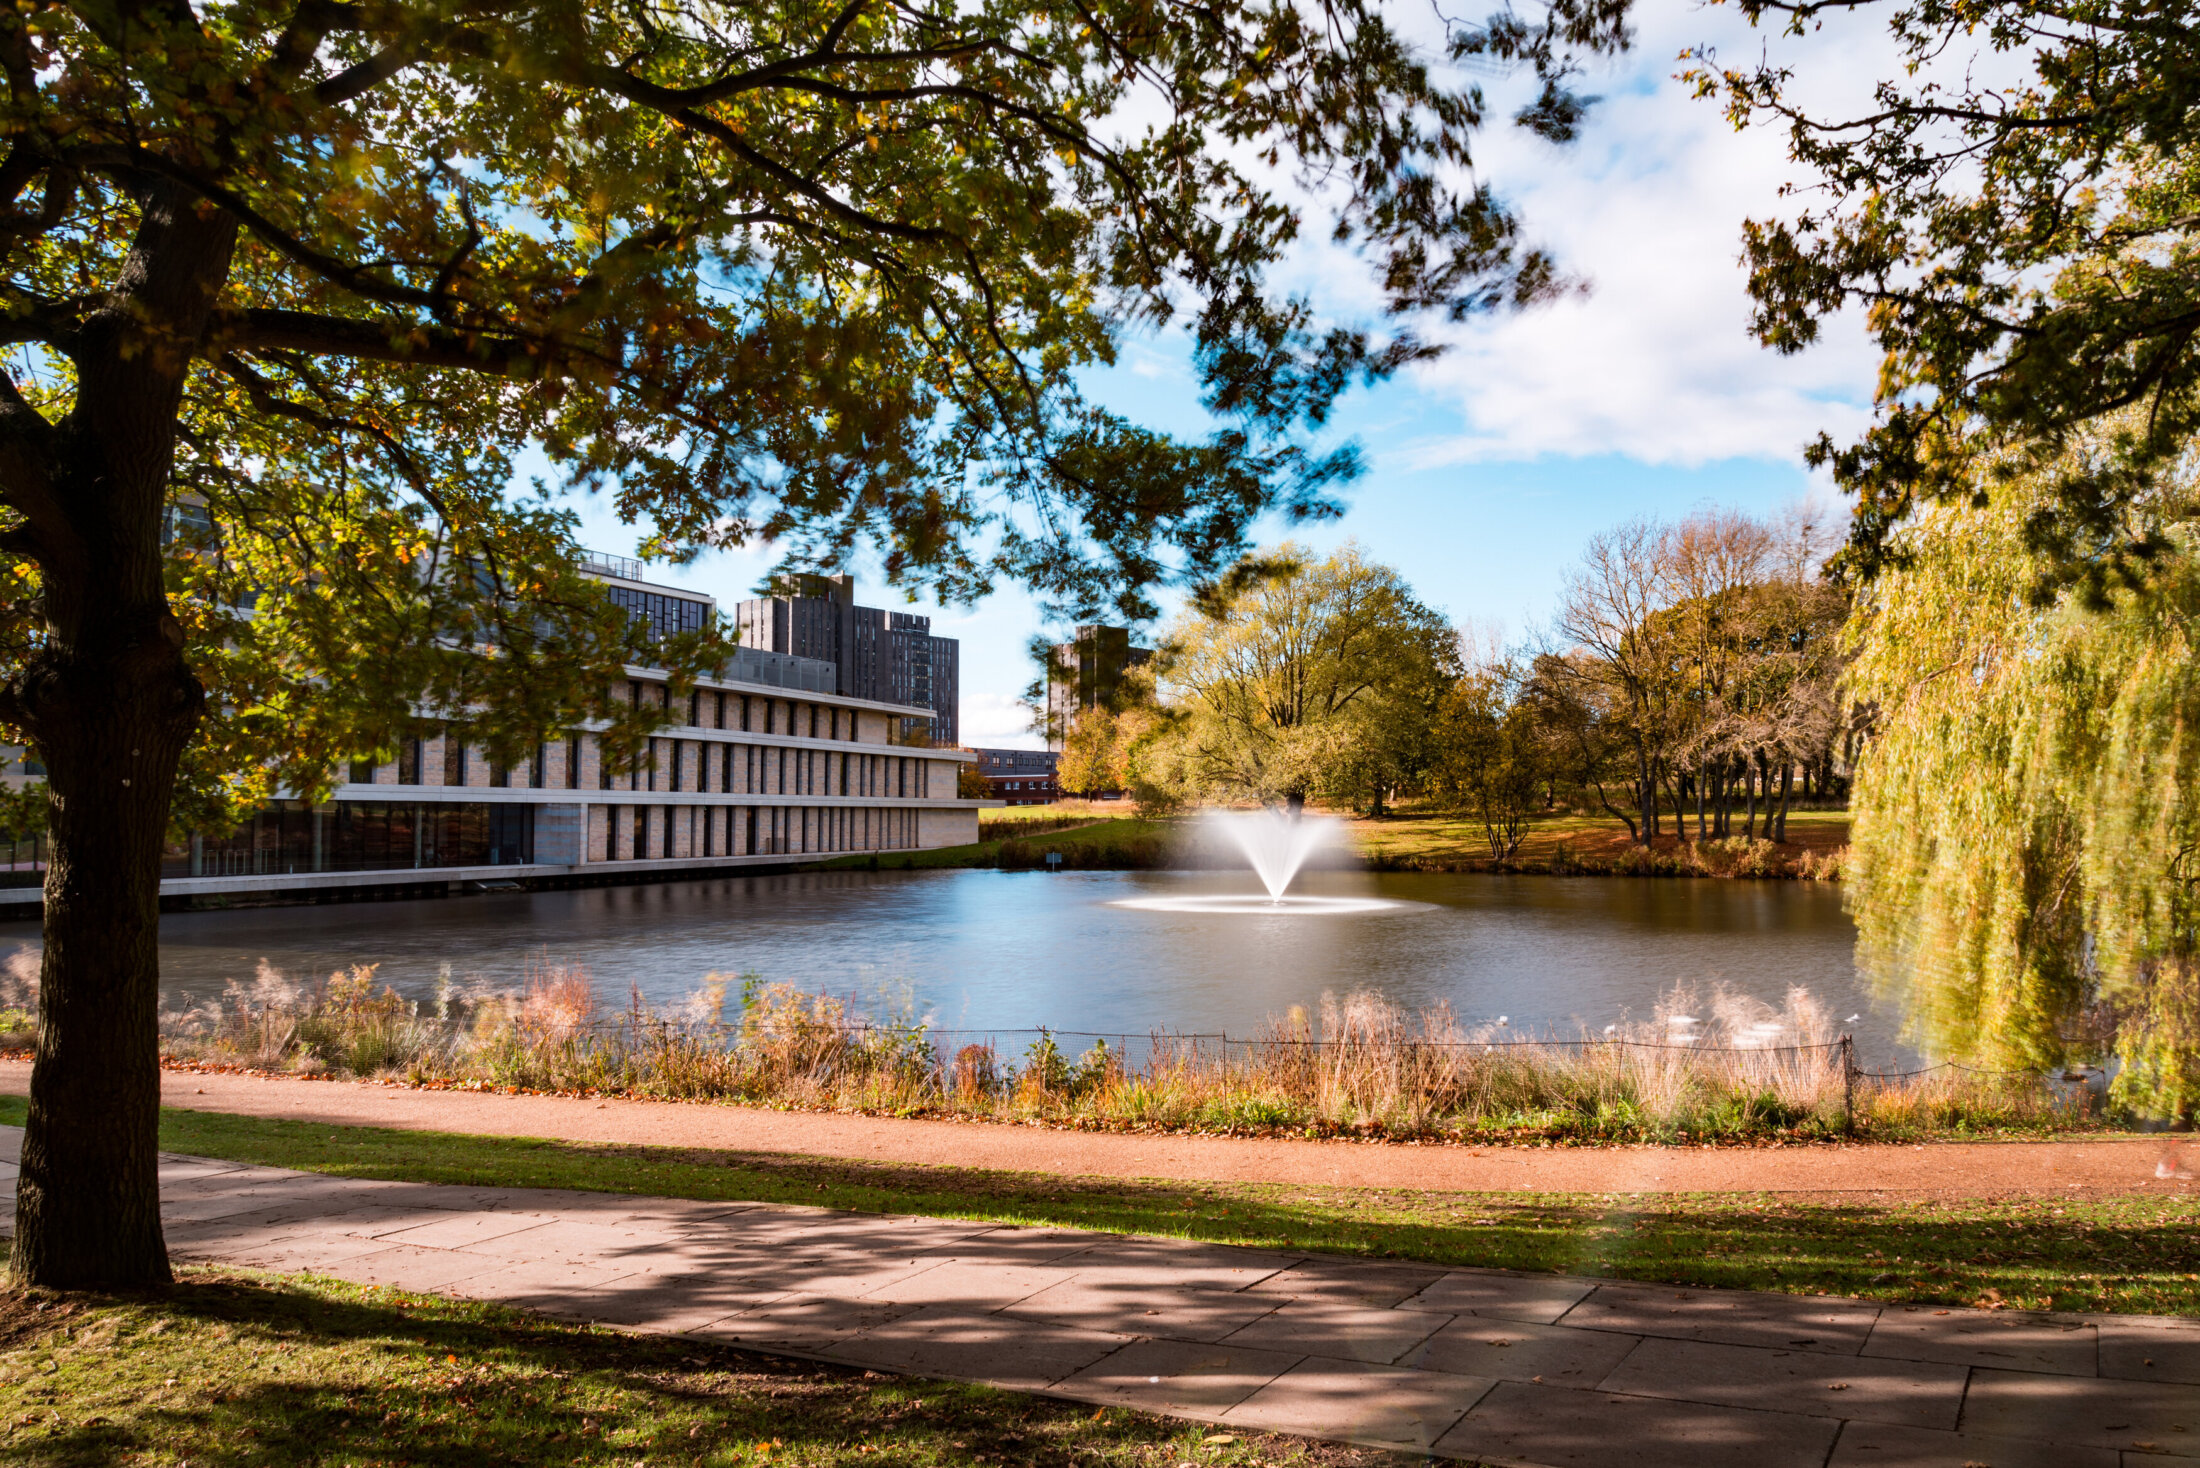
[[1276, 844]]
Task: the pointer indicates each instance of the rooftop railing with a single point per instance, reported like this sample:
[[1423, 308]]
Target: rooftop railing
[[626, 568]]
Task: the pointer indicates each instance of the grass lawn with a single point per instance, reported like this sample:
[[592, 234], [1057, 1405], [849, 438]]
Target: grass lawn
[[2133, 1255], [236, 1367], [1106, 844], [1448, 837]]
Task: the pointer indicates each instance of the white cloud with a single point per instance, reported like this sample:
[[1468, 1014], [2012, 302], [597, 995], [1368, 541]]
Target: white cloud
[[1656, 362], [997, 721]]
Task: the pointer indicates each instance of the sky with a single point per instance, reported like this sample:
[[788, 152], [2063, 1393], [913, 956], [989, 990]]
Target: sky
[[1488, 468]]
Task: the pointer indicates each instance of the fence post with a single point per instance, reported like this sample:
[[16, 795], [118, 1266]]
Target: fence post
[[1848, 1084]]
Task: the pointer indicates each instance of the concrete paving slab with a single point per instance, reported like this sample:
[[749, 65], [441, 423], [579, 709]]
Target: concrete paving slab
[[176, 1171], [954, 1340], [1554, 1427], [1175, 1262], [568, 1291], [842, 1274], [1172, 1263], [2090, 1411], [1906, 1393], [228, 1203], [1030, 1246], [465, 1230], [1377, 1285], [356, 1228], [408, 1267], [800, 1322], [1735, 1317], [2138, 1351], [589, 1239], [1378, 1405], [1345, 1332], [1515, 1350], [674, 1303], [2006, 1339], [1878, 1445], [1144, 1309], [1534, 1297], [309, 1255], [1184, 1377], [972, 1283]]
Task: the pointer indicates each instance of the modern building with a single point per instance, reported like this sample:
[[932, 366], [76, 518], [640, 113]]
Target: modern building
[[882, 656], [1020, 776], [1087, 672], [767, 762]]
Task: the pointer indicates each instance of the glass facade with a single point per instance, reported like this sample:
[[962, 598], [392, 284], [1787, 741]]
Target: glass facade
[[291, 836], [664, 615]]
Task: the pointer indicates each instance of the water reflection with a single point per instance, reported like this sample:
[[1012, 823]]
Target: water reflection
[[984, 950]]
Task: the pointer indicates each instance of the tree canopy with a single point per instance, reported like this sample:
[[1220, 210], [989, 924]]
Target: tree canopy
[[1307, 678], [2025, 826], [293, 286], [2014, 215]]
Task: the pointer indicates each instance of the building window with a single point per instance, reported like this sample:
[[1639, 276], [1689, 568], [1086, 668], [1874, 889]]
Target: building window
[[662, 615], [362, 772], [573, 762], [679, 757], [454, 758]]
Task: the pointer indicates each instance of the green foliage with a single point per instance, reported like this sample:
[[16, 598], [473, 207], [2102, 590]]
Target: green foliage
[[23, 811], [819, 275], [1492, 758], [2026, 823], [1309, 678], [2014, 210]]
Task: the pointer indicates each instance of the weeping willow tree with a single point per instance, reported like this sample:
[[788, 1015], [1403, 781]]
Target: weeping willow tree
[[2027, 827]]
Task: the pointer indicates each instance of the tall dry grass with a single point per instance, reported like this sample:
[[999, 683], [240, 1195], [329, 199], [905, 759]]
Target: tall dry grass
[[1714, 1066]]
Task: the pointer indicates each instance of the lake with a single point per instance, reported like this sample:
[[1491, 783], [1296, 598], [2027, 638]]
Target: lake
[[992, 951]]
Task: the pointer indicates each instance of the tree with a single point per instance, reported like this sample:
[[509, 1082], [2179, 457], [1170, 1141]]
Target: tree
[[1709, 649], [1610, 613], [291, 285], [1093, 754], [2026, 823], [971, 783], [2018, 227], [1306, 678], [1492, 755]]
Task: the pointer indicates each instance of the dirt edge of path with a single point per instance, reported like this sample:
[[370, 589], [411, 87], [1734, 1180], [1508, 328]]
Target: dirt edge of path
[[2094, 1166]]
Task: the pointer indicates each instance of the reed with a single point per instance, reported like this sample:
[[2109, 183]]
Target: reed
[[1702, 1067]]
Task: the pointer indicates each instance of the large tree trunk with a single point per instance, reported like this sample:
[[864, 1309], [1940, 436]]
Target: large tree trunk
[[109, 702]]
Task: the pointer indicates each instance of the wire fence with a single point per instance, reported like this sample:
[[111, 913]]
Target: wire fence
[[1155, 1049]]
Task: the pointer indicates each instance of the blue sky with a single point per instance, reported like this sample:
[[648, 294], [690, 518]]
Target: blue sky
[[1487, 469]]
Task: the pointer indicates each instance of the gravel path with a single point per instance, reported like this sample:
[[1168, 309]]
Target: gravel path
[[2109, 1165]]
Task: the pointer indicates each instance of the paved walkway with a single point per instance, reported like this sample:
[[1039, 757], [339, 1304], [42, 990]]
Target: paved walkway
[[1476, 1364], [2082, 1168]]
